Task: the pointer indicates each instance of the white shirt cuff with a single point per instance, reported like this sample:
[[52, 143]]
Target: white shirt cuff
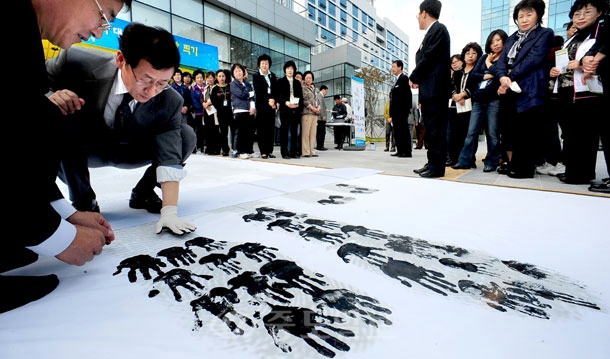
[[58, 242], [63, 207]]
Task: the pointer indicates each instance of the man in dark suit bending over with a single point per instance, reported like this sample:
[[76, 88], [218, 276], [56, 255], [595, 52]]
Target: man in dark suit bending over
[[432, 77], [130, 118]]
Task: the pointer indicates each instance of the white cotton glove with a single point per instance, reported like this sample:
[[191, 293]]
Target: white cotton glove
[[169, 219]]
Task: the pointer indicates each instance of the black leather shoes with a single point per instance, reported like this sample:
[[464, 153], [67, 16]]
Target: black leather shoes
[[489, 169], [429, 174], [420, 170], [570, 180], [386, 150], [460, 167], [602, 186], [403, 155], [148, 201], [322, 149], [520, 175], [19, 291]]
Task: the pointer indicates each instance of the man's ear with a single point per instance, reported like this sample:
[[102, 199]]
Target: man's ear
[[120, 59]]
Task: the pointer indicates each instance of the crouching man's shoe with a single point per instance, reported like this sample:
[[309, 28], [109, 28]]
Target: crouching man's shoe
[[147, 200], [19, 291]]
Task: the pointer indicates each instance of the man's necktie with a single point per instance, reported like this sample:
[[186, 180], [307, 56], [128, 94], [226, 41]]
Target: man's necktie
[[123, 113]]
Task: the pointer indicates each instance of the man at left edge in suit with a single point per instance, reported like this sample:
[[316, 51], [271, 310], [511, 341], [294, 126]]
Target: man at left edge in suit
[[153, 133]]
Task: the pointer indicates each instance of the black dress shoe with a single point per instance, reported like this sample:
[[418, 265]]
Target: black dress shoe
[[297, 156], [18, 291], [403, 155], [148, 201], [489, 169], [520, 175], [393, 149], [271, 155], [420, 170], [322, 149], [386, 149], [600, 187], [285, 157], [430, 174], [460, 167], [503, 169], [450, 163], [337, 147], [572, 180]]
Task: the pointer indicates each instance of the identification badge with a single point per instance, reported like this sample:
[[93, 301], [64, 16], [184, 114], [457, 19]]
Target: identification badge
[[268, 90], [224, 103]]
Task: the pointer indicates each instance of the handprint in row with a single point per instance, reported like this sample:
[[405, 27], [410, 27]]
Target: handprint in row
[[354, 305], [308, 326], [206, 243], [225, 262], [321, 235], [143, 263], [178, 254], [335, 200], [267, 214], [179, 277], [255, 251], [292, 274], [399, 269], [220, 303], [357, 189], [364, 232], [258, 285]]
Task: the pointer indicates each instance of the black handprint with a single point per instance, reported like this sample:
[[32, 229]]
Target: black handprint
[[365, 232], [219, 302], [179, 277], [321, 235], [175, 254], [356, 189], [257, 284], [335, 200], [353, 304], [205, 243], [144, 263], [224, 262], [307, 325], [324, 223], [291, 273], [285, 224], [254, 251], [267, 214]]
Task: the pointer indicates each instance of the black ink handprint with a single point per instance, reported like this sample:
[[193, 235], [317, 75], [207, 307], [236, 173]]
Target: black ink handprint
[[365, 232], [144, 263], [175, 254], [256, 285], [219, 302], [291, 273], [267, 214], [323, 223], [398, 269], [179, 277], [224, 262], [335, 200], [353, 305], [321, 235], [286, 224], [307, 325], [205, 243], [356, 189], [255, 251]]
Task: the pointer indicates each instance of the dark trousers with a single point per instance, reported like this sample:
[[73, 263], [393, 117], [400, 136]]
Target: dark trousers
[[320, 134], [265, 130], [526, 145], [402, 135], [244, 132], [211, 135], [390, 139], [289, 134], [434, 112], [458, 129]]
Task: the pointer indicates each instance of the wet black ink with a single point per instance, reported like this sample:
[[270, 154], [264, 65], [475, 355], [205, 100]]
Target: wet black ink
[[205, 243], [306, 325], [144, 263], [527, 269], [321, 235], [224, 262], [179, 277], [219, 302], [291, 273], [335, 200], [255, 251], [450, 262], [178, 254], [356, 189], [363, 231], [257, 285], [354, 305]]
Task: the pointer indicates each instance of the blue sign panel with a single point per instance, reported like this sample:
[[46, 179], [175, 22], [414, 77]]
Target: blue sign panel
[[192, 53]]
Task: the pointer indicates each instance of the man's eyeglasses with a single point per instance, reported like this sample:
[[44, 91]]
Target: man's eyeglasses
[[159, 86], [105, 24]]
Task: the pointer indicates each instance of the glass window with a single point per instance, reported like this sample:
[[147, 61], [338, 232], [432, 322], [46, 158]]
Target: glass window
[[343, 3], [311, 12], [332, 24], [292, 48], [216, 18], [322, 4], [343, 16], [337, 88], [220, 40], [355, 24], [190, 9], [260, 35], [355, 35], [321, 18], [240, 27], [277, 63], [150, 16], [343, 30], [159, 4], [276, 42], [304, 52], [188, 29], [355, 11], [332, 9], [258, 50], [241, 52], [338, 70]]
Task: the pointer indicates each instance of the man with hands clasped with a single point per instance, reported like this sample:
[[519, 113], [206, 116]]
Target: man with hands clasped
[[125, 114]]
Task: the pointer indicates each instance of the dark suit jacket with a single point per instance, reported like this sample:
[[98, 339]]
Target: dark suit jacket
[[262, 93], [31, 158], [401, 99], [157, 122], [283, 95], [432, 64]]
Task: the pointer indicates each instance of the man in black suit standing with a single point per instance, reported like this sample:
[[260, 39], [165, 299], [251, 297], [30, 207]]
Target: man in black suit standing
[[400, 107], [432, 77]]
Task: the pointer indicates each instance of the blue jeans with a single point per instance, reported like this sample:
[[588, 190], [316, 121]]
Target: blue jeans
[[482, 113]]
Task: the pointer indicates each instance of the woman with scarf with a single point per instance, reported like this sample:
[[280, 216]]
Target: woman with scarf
[[523, 84], [576, 100]]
